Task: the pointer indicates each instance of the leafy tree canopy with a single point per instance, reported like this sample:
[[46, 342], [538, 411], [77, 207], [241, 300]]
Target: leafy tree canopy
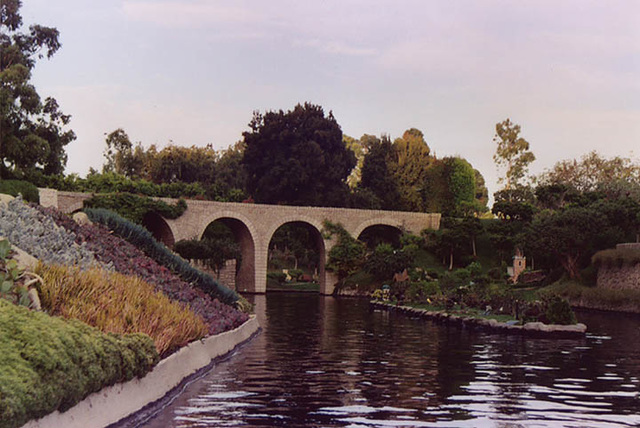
[[297, 157], [512, 152], [32, 135], [593, 172]]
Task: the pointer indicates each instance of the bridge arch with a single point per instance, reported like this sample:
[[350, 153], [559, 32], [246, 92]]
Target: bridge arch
[[159, 228], [384, 221], [245, 235], [322, 246]]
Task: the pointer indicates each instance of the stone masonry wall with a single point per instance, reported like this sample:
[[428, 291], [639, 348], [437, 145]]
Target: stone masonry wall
[[620, 278]]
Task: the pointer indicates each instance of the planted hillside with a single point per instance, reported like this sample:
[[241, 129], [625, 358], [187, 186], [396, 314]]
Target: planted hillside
[[142, 238], [48, 363], [117, 303], [127, 259]]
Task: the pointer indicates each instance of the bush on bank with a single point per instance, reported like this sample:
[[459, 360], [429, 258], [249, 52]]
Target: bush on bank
[[48, 363], [117, 303], [134, 207], [28, 191]]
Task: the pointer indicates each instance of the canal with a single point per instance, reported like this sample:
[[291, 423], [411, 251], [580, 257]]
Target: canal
[[323, 362]]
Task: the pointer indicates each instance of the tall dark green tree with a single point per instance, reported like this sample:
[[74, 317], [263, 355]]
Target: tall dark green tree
[[297, 157], [377, 179], [411, 159], [32, 134]]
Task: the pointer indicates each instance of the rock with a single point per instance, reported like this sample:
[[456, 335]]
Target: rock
[[35, 299], [5, 199], [82, 219], [25, 261]]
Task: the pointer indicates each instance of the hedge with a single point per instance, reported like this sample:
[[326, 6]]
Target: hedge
[[48, 363], [28, 191]]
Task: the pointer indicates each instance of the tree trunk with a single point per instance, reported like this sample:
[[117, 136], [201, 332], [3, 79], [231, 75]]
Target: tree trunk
[[451, 259], [473, 246]]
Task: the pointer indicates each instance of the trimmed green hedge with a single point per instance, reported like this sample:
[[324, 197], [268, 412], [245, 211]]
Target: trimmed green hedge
[[28, 191], [617, 257], [48, 363], [134, 207], [142, 238]]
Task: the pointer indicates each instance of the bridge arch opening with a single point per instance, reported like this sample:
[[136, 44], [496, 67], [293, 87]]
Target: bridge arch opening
[[159, 228], [298, 248], [377, 234], [240, 275]]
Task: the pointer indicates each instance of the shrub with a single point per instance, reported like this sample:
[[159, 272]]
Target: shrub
[[117, 303], [419, 292], [278, 277], [125, 258], [134, 207], [558, 311], [38, 235], [28, 191], [48, 363], [142, 238]]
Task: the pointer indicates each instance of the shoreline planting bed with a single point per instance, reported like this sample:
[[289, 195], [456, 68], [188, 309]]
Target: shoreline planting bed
[[535, 329]]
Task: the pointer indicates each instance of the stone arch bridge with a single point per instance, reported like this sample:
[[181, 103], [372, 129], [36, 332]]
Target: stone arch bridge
[[253, 226]]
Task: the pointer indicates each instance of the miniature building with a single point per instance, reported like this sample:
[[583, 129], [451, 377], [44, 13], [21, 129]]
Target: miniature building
[[519, 265]]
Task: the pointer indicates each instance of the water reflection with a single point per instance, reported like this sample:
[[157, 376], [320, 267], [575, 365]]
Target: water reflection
[[321, 361]]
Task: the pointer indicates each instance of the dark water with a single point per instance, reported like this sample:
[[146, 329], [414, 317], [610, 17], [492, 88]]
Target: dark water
[[322, 361]]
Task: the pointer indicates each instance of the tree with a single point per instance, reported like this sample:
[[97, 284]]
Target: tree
[[359, 150], [512, 152], [297, 158], [409, 164], [32, 135], [377, 179], [592, 172], [347, 255], [451, 186]]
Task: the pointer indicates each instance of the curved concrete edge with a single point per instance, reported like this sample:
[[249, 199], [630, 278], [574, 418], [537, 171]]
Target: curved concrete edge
[[114, 403], [534, 329]]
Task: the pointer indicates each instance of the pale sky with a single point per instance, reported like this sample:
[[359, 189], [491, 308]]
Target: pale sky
[[193, 71]]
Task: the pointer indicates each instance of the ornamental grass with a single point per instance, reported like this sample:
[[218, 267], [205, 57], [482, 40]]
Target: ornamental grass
[[116, 303]]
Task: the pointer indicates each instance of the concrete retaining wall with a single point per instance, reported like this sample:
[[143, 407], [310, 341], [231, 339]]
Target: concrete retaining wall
[[116, 402]]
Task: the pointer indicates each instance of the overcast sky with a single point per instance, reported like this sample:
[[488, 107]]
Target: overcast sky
[[193, 71]]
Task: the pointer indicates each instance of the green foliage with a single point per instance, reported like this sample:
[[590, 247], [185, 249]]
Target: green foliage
[[297, 158], [134, 207], [141, 238], [512, 152], [347, 255], [419, 292], [453, 188], [409, 163], [48, 363], [28, 191], [12, 278], [214, 252], [593, 173], [277, 277], [558, 311], [385, 260], [377, 188], [617, 257], [32, 137]]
